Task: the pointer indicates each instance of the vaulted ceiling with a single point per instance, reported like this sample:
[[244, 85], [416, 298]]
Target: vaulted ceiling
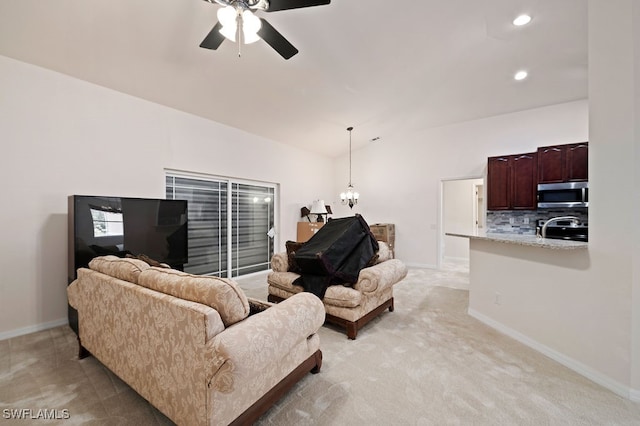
[[383, 67]]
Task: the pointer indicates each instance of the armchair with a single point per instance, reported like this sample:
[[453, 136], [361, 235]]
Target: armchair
[[348, 307]]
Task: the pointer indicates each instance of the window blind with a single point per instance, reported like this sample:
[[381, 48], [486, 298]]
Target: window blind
[[228, 224]]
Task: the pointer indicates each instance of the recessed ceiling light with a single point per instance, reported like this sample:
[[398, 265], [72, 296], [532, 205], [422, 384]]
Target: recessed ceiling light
[[520, 75], [522, 20]]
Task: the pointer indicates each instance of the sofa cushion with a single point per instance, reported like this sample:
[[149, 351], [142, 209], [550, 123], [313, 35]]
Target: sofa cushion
[[292, 247], [121, 268], [221, 294], [384, 252], [342, 296], [284, 280], [336, 295]]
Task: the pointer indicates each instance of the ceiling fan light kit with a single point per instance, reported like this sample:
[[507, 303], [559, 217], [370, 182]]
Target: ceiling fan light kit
[[233, 20], [251, 24], [237, 22]]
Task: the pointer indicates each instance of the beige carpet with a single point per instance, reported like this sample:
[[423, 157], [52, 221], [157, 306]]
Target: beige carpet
[[426, 363]]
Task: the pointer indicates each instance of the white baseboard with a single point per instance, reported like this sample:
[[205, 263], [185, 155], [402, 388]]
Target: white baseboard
[[580, 368], [33, 328]]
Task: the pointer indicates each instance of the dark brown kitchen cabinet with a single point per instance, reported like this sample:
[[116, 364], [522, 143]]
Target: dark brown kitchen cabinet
[[525, 181], [498, 183], [578, 162], [563, 163], [511, 182]]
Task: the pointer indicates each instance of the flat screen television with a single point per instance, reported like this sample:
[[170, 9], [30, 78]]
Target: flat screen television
[[100, 226]]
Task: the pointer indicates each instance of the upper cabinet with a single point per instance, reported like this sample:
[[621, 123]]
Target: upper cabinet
[[563, 163], [499, 183], [578, 162], [524, 190], [511, 182]]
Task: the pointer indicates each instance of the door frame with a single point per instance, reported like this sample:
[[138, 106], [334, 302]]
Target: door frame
[[441, 212]]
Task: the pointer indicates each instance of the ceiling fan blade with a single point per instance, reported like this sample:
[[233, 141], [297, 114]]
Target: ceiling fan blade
[[276, 40], [275, 5], [214, 39]]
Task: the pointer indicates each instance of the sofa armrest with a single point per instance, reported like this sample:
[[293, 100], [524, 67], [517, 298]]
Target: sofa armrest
[[280, 262], [73, 294], [251, 345], [380, 276]]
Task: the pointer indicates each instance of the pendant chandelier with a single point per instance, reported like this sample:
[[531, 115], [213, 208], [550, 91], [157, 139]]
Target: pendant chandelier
[[350, 197]]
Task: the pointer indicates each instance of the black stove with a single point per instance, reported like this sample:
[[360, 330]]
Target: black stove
[[566, 230]]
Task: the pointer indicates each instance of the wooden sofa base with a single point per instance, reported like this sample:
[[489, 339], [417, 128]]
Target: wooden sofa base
[[351, 327], [261, 406]]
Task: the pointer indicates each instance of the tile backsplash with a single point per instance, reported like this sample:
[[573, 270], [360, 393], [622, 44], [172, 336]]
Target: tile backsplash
[[514, 221]]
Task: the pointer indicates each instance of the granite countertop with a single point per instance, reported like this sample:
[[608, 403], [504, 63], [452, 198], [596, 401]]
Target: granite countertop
[[524, 240]]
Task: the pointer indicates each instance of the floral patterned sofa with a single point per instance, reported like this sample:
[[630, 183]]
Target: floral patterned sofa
[[349, 307], [195, 347]]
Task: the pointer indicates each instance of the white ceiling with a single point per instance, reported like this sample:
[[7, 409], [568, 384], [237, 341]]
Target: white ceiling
[[384, 67]]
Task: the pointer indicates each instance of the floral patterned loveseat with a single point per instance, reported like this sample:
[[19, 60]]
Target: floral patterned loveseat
[[192, 345], [350, 307]]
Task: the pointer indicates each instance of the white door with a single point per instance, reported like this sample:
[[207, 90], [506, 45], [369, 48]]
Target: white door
[[463, 211]]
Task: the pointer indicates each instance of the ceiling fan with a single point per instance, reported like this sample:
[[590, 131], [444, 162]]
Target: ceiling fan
[[237, 22]]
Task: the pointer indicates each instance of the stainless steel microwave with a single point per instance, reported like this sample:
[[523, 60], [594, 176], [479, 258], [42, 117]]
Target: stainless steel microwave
[[563, 195]]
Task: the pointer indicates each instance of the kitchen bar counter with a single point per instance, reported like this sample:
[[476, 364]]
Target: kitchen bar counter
[[524, 240]]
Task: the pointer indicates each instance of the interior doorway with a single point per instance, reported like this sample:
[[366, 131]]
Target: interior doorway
[[464, 212]]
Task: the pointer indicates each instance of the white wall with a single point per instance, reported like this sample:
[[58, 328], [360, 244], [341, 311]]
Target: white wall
[[582, 307], [613, 94], [613, 163], [399, 177], [635, 298], [62, 136], [557, 302]]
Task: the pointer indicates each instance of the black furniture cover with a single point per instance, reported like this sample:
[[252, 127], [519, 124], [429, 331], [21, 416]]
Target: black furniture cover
[[335, 254]]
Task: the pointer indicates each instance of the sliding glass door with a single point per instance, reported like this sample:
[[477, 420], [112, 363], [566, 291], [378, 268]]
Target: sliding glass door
[[252, 217], [230, 223]]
